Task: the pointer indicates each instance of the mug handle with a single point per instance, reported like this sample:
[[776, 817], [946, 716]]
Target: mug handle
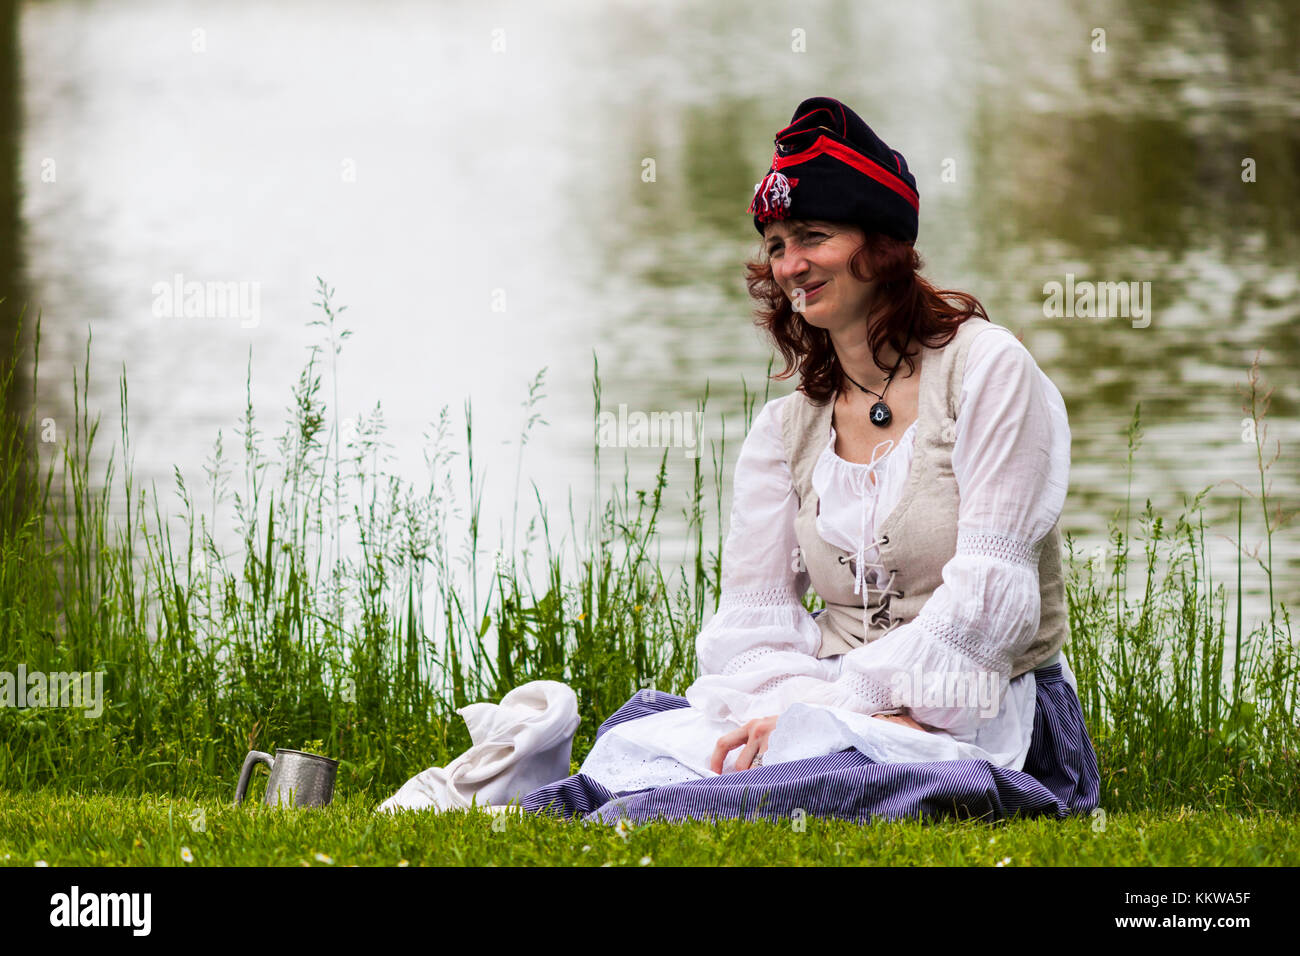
[[246, 772]]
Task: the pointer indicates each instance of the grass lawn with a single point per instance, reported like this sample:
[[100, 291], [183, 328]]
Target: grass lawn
[[109, 830]]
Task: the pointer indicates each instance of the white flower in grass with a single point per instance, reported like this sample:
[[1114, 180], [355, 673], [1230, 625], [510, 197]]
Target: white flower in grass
[[585, 848], [622, 828], [322, 858], [186, 855], [403, 862], [1003, 862], [645, 861], [41, 863]]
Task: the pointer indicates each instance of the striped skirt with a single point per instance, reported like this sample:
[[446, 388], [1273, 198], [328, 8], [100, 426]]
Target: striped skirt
[[1059, 778]]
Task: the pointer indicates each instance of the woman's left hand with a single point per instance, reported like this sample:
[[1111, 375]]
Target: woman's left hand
[[753, 736]]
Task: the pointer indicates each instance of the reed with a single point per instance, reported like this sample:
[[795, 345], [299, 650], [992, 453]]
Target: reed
[[294, 641]]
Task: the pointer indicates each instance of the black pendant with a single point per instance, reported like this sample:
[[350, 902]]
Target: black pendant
[[881, 415]]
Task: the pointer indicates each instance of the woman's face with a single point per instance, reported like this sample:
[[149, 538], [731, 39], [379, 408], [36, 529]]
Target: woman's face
[[810, 262]]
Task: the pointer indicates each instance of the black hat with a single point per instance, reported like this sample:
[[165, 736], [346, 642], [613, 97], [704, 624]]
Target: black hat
[[828, 164]]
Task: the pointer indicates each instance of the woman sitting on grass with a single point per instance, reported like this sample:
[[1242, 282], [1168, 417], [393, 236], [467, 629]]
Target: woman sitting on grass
[[922, 506]]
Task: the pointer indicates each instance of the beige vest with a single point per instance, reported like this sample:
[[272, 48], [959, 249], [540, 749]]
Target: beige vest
[[919, 535]]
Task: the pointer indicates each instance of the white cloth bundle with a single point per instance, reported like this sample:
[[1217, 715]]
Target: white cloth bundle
[[520, 744]]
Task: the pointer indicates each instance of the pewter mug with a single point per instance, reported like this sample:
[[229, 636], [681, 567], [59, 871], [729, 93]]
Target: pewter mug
[[297, 779]]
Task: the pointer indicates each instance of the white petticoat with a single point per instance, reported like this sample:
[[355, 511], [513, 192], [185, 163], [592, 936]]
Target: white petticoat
[[676, 745]]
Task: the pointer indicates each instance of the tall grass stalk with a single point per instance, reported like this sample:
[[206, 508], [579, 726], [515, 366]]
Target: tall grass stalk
[[292, 641]]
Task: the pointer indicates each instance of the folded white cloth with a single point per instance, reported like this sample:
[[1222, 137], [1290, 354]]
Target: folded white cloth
[[520, 744]]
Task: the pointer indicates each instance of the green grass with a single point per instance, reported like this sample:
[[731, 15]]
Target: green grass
[[108, 830], [283, 644]]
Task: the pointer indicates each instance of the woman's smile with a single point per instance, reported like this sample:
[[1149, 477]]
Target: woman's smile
[[812, 290]]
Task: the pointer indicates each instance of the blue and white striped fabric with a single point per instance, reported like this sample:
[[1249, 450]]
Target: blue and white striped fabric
[[1060, 778]]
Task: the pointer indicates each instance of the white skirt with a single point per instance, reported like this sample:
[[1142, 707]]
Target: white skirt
[[677, 745]]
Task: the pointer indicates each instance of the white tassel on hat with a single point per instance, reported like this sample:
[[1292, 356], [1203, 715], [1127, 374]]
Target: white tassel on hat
[[772, 196]]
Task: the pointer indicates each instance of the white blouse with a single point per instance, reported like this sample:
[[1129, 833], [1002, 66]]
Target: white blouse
[[1011, 460]]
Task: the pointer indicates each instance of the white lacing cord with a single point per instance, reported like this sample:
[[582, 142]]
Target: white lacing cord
[[860, 565], [860, 587]]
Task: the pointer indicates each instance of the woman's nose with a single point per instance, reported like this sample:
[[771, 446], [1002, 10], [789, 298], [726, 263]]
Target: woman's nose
[[792, 267]]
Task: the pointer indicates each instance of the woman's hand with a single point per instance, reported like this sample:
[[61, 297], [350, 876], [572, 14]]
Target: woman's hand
[[753, 736], [900, 719]]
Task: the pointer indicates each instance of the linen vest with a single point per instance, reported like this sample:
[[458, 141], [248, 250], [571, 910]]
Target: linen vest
[[919, 535]]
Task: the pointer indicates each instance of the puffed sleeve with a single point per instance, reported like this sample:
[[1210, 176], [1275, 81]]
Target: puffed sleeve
[[761, 637], [949, 667]]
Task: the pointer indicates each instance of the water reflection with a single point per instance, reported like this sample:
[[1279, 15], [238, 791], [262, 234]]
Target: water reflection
[[519, 175], [12, 269]]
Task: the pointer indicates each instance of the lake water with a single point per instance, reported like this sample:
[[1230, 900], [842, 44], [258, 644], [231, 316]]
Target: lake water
[[471, 180]]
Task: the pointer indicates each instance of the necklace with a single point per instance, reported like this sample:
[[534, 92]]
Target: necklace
[[880, 414]]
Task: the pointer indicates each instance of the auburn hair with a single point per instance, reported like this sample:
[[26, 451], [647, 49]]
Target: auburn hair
[[905, 302]]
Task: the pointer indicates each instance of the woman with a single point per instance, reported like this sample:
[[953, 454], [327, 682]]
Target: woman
[[915, 480]]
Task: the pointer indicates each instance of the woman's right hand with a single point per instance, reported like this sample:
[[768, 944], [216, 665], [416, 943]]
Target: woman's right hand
[[900, 719]]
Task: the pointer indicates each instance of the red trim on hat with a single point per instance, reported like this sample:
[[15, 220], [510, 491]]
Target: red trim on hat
[[851, 157], [812, 112]]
